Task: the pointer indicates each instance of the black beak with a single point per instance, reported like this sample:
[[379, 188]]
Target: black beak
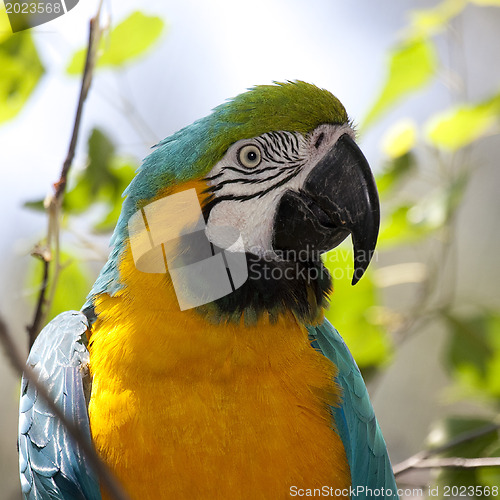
[[339, 197]]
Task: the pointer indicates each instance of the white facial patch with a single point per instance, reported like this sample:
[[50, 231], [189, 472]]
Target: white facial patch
[[247, 188]]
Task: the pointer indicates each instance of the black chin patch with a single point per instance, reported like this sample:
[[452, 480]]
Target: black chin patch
[[275, 287]]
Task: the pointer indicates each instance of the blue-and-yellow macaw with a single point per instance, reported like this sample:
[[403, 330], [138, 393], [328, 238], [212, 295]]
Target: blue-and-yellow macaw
[[206, 378]]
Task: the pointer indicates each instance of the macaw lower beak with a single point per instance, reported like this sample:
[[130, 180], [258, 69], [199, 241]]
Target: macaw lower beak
[[338, 198]]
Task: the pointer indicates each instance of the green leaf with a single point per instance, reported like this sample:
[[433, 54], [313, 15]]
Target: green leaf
[[127, 41], [73, 286], [5, 29], [123, 172], [108, 222], [490, 476], [408, 223], [469, 347], [473, 354], [396, 228], [411, 66], [36, 205], [460, 126], [101, 182], [352, 311], [394, 171], [427, 22], [20, 70], [486, 3], [400, 138], [100, 153], [79, 198], [96, 176]]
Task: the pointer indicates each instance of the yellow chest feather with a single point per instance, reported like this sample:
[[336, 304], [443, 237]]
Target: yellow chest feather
[[182, 408]]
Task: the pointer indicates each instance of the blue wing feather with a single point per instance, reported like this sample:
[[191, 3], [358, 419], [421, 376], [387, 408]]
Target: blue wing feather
[[51, 465], [355, 420]]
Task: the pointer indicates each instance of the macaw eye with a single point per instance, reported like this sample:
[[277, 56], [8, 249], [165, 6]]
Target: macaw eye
[[249, 156]]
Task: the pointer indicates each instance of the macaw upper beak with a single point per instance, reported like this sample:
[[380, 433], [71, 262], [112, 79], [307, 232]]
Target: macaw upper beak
[[338, 197]]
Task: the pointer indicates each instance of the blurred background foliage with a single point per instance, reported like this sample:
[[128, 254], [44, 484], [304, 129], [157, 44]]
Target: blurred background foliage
[[21, 70], [424, 173], [440, 154]]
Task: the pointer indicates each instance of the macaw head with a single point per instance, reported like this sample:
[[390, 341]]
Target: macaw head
[[278, 164]]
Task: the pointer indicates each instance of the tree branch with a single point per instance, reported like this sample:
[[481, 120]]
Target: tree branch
[[94, 37], [53, 203], [108, 480], [421, 460], [457, 463], [44, 255]]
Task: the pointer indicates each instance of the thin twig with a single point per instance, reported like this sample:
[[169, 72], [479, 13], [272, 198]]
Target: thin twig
[[415, 461], [93, 39], [51, 260], [105, 475], [457, 463], [44, 255]]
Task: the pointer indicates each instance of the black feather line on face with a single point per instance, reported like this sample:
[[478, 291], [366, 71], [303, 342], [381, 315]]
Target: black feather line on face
[[213, 200], [279, 147], [221, 184], [249, 172], [213, 177]]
